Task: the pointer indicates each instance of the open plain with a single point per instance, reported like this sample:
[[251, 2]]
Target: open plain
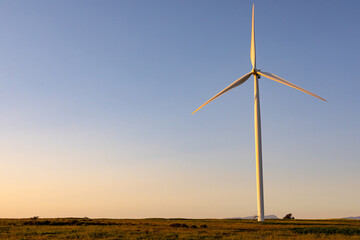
[[85, 228]]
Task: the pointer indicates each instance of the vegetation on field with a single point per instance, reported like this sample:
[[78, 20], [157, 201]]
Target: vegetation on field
[[85, 228]]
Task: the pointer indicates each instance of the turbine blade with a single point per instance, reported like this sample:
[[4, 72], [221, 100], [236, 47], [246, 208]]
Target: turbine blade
[[252, 47], [280, 80], [231, 86]]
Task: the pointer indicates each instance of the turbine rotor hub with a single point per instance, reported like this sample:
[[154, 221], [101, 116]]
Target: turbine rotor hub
[[255, 72]]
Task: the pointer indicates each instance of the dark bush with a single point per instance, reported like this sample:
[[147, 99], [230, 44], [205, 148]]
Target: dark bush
[[288, 216], [175, 225], [46, 222], [178, 225], [203, 226]]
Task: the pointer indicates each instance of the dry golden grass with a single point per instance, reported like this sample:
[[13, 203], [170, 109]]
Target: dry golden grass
[[83, 228]]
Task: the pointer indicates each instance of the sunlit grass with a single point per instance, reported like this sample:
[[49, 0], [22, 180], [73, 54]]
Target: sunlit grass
[[84, 228]]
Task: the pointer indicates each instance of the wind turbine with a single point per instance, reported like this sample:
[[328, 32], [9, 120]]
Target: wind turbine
[[258, 152]]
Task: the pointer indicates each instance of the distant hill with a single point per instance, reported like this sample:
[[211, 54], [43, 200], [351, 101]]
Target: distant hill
[[356, 218], [255, 217]]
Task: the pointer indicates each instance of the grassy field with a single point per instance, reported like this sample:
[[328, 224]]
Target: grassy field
[[84, 228]]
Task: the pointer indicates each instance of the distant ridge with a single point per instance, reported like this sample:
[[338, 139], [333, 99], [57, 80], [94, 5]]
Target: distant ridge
[[255, 217], [356, 218]]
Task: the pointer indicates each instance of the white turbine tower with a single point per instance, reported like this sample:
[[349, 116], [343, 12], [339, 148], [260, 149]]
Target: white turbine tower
[[256, 72]]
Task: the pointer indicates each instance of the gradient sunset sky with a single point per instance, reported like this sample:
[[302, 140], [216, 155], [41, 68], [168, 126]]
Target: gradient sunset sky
[[96, 100]]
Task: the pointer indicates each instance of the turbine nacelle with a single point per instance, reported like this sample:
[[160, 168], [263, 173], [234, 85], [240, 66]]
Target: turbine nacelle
[[255, 72]]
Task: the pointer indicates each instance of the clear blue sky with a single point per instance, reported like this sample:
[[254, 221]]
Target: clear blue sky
[[96, 100]]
